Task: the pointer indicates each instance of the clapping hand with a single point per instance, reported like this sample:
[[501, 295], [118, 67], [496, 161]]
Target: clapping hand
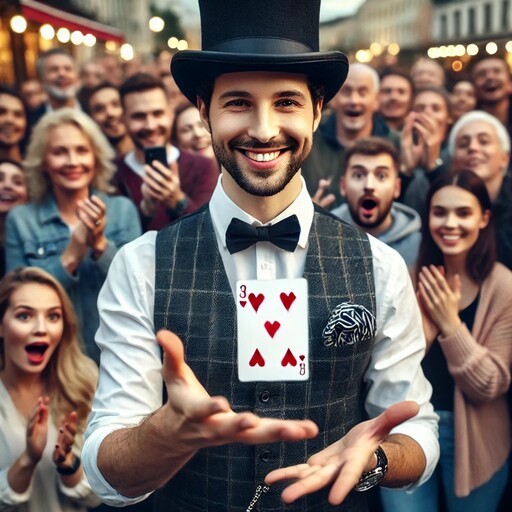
[[62, 455], [37, 430], [92, 213]]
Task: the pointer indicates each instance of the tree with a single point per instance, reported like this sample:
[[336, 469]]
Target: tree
[[172, 26]]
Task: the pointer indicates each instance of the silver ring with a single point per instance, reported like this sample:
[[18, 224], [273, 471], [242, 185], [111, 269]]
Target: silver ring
[[98, 222]]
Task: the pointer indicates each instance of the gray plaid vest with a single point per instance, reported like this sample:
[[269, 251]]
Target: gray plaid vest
[[193, 298]]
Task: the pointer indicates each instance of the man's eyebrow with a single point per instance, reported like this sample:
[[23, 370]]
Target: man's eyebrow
[[291, 93], [237, 94]]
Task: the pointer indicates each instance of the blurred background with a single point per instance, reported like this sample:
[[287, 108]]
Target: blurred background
[[140, 31]]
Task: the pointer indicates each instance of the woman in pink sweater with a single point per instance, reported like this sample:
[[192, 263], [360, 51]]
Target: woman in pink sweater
[[466, 301]]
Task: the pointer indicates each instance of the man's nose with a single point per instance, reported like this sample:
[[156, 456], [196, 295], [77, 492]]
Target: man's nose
[[264, 126]]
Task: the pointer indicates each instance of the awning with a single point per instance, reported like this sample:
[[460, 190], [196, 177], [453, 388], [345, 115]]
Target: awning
[[42, 13]]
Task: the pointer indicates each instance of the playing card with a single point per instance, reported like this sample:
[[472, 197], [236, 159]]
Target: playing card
[[273, 338]]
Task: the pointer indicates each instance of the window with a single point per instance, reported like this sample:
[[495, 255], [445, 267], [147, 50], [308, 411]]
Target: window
[[456, 24], [444, 26], [505, 14], [471, 21], [487, 18]]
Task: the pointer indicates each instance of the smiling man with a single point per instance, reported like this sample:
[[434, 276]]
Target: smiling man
[[371, 185], [219, 437]]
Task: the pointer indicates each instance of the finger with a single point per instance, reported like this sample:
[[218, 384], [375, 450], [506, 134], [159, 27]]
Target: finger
[[99, 203], [441, 281], [430, 284], [92, 212], [92, 209], [42, 416], [270, 430], [393, 416], [162, 170], [425, 299], [327, 201], [287, 473], [174, 358], [315, 481], [87, 221], [347, 478], [157, 185]]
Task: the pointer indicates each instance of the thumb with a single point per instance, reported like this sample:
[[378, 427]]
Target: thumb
[[393, 416], [174, 355]]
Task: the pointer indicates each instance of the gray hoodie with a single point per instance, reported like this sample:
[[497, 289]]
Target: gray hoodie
[[404, 234]]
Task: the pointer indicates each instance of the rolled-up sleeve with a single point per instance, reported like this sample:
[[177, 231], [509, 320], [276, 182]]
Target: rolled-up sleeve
[[130, 380]]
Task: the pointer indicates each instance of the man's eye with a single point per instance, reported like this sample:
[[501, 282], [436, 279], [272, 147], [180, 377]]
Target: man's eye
[[286, 103], [237, 103]]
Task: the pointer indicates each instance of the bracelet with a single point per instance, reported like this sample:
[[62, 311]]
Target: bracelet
[[70, 470]]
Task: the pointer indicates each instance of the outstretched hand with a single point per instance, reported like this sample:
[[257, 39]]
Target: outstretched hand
[[342, 464], [209, 421]]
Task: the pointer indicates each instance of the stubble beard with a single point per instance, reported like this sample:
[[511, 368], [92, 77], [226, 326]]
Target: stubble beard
[[266, 183]]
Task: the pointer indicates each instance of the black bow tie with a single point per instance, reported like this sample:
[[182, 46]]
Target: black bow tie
[[284, 234]]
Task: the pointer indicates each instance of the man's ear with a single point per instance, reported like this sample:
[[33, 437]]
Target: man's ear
[[398, 188], [317, 114], [203, 112]]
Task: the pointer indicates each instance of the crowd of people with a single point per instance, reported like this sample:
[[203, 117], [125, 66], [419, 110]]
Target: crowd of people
[[412, 157]]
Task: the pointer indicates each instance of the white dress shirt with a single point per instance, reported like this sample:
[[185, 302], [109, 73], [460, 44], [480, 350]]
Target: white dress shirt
[[130, 380]]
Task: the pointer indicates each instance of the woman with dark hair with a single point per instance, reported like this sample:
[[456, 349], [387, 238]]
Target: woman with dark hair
[[465, 298], [46, 389]]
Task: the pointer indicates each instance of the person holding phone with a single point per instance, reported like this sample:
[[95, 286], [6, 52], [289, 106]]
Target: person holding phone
[[72, 228], [164, 183]]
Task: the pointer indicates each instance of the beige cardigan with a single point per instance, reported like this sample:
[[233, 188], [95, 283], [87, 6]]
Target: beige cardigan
[[480, 364]]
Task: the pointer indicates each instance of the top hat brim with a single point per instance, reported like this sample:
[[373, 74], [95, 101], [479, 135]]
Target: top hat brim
[[192, 69]]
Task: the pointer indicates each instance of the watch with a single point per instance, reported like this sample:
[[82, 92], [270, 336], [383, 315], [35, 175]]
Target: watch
[[70, 470], [373, 477], [181, 206]]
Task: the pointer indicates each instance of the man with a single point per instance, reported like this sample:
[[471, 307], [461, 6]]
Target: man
[[162, 193], [395, 97], [58, 74], [371, 184], [104, 106], [13, 124], [478, 141], [261, 109], [491, 77], [425, 72], [352, 119], [33, 93]]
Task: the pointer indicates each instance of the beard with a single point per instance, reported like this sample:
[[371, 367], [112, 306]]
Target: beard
[[269, 182], [61, 93], [367, 224]]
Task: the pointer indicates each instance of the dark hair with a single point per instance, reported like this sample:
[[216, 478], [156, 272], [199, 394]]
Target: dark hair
[[140, 82], [397, 72], [205, 91], [4, 89], [485, 56], [441, 91], [50, 53], [93, 90], [482, 256], [372, 146]]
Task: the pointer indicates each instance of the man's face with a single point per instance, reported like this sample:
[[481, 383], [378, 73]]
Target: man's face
[[13, 121], [433, 105], [492, 80], [148, 118], [33, 93], [60, 77], [370, 184], [262, 127], [463, 98], [427, 72], [92, 74], [105, 108], [478, 148], [394, 97], [356, 102]]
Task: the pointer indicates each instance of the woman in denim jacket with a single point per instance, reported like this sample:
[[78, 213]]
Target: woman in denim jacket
[[71, 228]]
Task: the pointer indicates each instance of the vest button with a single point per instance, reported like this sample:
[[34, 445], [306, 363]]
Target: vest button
[[265, 396], [265, 455]]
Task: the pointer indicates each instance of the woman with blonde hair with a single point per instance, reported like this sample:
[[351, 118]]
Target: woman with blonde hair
[[46, 388], [72, 228]]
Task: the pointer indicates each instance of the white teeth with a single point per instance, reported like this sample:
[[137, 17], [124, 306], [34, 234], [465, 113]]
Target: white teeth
[[262, 157], [451, 237]]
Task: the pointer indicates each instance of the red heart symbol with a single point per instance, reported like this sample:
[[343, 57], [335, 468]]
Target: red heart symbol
[[243, 303], [287, 299], [256, 300], [289, 358], [302, 357], [272, 327], [257, 359]]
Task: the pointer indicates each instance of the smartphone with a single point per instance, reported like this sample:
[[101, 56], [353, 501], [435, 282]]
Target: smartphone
[[415, 137], [158, 153]]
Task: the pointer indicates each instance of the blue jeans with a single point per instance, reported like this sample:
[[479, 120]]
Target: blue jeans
[[425, 498]]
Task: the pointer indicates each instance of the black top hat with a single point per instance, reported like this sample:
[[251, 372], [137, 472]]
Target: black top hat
[[259, 35]]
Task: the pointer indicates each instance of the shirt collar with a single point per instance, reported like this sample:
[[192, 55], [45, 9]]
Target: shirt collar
[[48, 211], [173, 153], [223, 209]]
